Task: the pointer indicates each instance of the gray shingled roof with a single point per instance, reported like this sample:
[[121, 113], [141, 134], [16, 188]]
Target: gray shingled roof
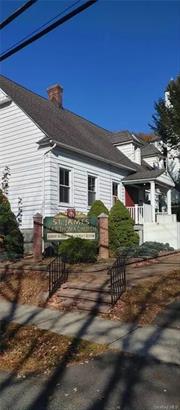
[[144, 175], [65, 127], [121, 136], [150, 150], [124, 136]]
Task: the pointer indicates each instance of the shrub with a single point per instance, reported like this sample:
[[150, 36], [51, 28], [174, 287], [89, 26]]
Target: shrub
[[153, 248], [121, 228], [76, 250], [149, 249], [97, 208], [13, 238]]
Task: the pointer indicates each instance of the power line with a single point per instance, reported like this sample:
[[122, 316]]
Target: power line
[[47, 29], [17, 13], [44, 25]]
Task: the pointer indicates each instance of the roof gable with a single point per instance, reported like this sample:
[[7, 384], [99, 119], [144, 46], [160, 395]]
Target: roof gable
[[149, 150], [65, 127], [125, 137]]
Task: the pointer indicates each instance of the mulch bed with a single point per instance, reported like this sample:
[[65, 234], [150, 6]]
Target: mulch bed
[[29, 350], [143, 302], [26, 287]]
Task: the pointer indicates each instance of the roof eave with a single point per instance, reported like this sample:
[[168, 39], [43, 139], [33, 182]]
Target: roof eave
[[158, 154], [90, 155], [136, 181]]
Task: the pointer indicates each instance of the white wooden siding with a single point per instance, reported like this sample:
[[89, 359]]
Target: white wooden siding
[[127, 149], [152, 160], [82, 167], [19, 151]]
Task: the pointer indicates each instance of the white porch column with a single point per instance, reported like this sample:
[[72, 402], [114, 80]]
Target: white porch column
[[153, 200], [136, 214], [169, 201]]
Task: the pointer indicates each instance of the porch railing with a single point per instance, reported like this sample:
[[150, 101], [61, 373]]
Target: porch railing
[[137, 213], [140, 213]]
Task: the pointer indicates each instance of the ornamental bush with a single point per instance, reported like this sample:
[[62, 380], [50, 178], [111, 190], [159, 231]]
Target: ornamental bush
[[121, 228], [97, 208], [149, 249], [13, 238], [153, 248], [77, 250]]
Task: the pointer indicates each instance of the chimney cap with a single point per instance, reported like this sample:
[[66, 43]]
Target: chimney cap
[[55, 94], [55, 86]]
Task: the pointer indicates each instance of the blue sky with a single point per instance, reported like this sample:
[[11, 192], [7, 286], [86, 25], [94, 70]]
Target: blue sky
[[113, 60]]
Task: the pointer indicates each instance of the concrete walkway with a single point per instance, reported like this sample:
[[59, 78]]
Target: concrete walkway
[[160, 343], [163, 266]]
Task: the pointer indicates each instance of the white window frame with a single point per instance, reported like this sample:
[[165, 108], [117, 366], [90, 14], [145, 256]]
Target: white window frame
[[116, 181], [91, 174], [71, 179]]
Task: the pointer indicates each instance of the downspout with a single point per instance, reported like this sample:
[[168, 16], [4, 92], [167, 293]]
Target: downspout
[[44, 157]]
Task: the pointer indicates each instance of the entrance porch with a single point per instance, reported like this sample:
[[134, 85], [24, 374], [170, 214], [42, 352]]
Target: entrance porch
[[149, 201]]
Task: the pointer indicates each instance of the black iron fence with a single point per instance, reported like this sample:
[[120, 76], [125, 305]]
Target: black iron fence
[[57, 274], [117, 274]]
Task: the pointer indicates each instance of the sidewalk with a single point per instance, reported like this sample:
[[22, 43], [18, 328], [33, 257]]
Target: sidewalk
[[152, 341]]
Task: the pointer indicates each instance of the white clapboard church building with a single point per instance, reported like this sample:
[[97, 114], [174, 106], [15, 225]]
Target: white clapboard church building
[[59, 160]]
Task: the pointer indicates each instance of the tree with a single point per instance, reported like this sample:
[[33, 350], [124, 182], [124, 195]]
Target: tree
[[166, 124], [97, 208], [166, 120], [13, 238], [121, 228]]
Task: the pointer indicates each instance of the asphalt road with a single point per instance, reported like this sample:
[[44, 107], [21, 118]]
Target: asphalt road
[[111, 382]]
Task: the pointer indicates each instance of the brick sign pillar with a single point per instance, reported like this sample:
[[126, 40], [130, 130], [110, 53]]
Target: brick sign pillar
[[37, 236], [103, 236]]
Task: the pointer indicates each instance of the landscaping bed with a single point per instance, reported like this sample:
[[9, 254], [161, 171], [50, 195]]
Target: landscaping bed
[[28, 350], [147, 260], [26, 287], [143, 302]]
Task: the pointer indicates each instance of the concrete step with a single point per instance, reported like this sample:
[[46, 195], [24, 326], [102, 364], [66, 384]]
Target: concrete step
[[93, 307], [84, 295], [93, 287], [93, 275]]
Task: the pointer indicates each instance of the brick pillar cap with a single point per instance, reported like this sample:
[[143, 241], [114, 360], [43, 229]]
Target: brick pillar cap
[[38, 215], [103, 215]]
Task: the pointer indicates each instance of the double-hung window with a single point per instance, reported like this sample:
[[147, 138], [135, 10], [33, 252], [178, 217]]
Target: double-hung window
[[64, 185], [91, 189], [115, 192]]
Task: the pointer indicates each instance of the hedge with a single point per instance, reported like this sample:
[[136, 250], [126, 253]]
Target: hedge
[[13, 239], [121, 228], [97, 208], [77, 250]]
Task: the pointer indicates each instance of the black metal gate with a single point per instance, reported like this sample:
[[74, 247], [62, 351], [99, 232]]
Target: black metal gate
[[57, 274], [117, 274]]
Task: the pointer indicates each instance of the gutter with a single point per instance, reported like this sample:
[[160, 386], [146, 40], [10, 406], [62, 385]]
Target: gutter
[[129, 181], [145, 180], [94, 156]]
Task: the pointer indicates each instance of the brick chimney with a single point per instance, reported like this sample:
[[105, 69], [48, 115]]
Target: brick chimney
[[55, 94]]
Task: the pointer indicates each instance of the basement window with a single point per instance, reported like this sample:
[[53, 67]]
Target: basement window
[[64, 188]]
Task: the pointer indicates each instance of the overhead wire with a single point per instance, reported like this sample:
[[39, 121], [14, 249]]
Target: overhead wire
[[43, 25], [17, 13], [52, 26]]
